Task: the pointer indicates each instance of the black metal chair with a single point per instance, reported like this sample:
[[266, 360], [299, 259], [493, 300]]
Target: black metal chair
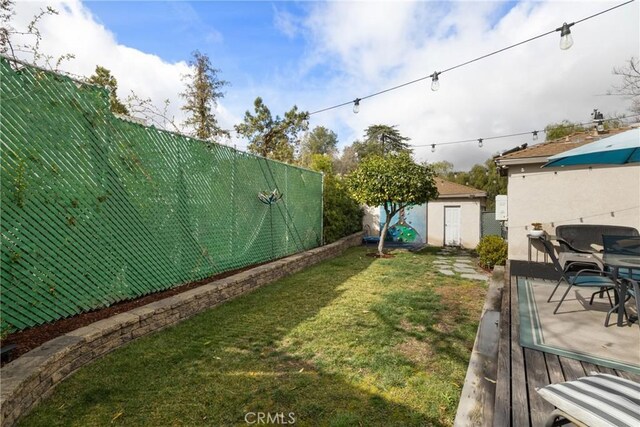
[[580, 237], [584, 278]]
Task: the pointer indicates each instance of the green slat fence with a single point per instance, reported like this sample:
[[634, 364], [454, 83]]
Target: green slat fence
[[96, 209]]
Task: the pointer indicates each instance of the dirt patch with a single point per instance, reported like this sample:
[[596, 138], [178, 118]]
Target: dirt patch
[[377, 255], [411, 327], [444, 327], [416, 351], [31, 338], [461, 302]]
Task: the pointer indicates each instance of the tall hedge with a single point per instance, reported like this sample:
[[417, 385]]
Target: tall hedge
[[341, 214]]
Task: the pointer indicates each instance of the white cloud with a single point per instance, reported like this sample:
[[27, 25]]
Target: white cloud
[[285, 21], [353, 49], [74, 30], [374, 46]]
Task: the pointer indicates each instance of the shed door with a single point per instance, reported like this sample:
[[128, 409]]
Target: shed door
[[452, 225]]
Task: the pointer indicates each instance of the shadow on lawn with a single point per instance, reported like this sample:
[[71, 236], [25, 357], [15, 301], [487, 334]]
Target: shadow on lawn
[[228, 362]]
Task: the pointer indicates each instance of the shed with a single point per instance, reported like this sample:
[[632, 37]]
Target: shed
[[453, 219]]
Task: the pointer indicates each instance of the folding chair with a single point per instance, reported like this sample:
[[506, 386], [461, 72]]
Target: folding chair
[[584, 278]]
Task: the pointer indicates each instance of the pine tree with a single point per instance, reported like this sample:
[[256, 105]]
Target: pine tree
[[103, 77], [273, 137], [202, 93]]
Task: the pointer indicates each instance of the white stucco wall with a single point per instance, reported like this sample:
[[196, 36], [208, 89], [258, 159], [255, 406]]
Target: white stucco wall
[[570, 195], [469, 221], [371, 220]]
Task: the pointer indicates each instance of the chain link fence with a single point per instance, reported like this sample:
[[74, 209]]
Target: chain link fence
[[96, 209]]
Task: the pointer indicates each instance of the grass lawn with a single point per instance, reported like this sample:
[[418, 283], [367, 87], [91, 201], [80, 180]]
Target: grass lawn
[[352, 341]]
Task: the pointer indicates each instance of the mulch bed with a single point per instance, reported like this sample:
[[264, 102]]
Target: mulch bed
[[33, 337], [377, 255]]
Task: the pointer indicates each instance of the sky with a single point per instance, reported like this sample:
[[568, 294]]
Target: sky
[[319, 54]]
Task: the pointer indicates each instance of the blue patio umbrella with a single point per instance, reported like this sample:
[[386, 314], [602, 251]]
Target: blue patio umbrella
[[618, 149]]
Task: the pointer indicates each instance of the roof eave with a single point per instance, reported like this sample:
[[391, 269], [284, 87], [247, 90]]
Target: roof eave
[[522, 160], [462, 196]]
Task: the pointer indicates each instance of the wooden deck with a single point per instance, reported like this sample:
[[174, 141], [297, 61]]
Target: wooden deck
[[520, 370]]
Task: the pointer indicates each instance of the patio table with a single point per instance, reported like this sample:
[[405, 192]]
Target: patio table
[[615, 262]]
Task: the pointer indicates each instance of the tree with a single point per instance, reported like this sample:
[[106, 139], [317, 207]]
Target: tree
[[562, 129], [341, 214], [347, 162], [274, 138], [442, 169], [381, 140], [27, 40], [203, 90], [319, 141], [6, 12], [103, 77], [485, 177], [630, 86], [394, 182]]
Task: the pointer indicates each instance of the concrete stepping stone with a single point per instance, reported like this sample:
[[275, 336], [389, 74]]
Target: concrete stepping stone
[[462, 265], [476, 276], [446, 272], [465, 270]]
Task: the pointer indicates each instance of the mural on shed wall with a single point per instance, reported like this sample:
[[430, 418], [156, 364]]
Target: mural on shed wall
[[407, 226]]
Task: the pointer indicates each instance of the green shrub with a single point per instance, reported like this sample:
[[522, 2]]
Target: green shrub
[[341, 215], [492, 251]]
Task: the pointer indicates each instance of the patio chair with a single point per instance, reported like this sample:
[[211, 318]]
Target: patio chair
[[584, 278], [581, 238], [598, 400]]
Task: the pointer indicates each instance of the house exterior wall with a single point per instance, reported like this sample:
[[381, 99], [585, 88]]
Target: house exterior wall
[[570, 195], [371, 220], [469, 221]]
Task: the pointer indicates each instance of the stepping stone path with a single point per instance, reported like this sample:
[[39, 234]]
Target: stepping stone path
[[451, 261]]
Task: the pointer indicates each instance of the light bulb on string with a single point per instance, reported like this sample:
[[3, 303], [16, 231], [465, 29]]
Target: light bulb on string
[[356, 106], [433, 148], [535, 135], [566, 41], [480, 142], [435, 82]]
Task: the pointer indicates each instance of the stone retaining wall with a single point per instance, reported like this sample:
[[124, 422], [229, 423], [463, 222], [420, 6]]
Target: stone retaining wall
[[31, 377]]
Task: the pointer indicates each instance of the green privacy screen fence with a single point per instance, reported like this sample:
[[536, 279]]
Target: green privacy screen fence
[[96, 209]]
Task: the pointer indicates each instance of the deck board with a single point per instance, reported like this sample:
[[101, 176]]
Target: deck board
[[521, 370], [519, 396], [501, 411], [554, 368], [537, 377]]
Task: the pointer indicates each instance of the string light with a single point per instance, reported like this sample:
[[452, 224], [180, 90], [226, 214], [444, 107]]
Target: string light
[[565, 36], [435, 82], [480, 142], [510, 135], [356, 106], [566, 41]]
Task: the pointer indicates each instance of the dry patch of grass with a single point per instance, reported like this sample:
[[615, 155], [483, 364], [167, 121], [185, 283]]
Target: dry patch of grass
[[416, 351]]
